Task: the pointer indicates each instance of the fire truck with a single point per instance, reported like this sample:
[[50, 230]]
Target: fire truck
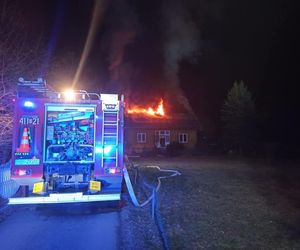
[[67, 146]]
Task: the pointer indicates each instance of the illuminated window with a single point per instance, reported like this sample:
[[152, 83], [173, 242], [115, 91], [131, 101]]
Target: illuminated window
[[162, 138], [183, 138], [141, 137]]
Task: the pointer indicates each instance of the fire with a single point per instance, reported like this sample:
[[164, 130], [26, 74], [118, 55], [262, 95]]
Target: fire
[[150, 111]]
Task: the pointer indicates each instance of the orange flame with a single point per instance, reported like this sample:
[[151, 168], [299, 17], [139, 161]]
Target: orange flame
[[153, 112]]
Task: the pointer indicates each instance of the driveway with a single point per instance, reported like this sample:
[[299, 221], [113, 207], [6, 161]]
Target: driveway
[[75, 226]]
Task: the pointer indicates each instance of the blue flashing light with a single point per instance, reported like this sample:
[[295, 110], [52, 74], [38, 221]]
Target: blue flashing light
[[98, 150], [107, 149], [28, 104]]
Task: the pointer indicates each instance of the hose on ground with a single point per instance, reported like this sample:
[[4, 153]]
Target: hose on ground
[[158, 218], [130, 188]]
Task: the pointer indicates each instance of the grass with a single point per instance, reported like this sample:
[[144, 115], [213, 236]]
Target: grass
[[228, 204]]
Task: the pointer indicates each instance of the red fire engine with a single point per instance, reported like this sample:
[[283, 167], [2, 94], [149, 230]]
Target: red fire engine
[[67, 147]]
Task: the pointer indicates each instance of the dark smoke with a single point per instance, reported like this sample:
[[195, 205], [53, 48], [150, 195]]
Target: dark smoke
[[121, 31], [144, 44], [120, 39], [181, 42]]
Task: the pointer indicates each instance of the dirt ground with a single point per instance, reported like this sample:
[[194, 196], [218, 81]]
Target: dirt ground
[[225, 204]]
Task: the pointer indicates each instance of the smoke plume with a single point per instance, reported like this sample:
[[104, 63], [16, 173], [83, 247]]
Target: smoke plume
[[121, 32], [181, 42]]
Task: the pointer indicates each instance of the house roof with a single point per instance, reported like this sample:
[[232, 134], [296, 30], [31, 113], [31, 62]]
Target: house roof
[[176, 121]]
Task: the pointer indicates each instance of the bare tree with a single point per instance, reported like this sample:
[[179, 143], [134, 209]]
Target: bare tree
[[19, 56]]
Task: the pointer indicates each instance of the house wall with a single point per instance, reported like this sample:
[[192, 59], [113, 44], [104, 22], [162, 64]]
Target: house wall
[[130, 140], [132, 146], [192, 137]]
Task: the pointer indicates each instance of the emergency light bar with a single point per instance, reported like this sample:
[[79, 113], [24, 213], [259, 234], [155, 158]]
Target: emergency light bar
[[71, 95]]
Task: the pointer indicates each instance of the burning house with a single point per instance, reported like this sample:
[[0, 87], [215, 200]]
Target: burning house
[[151, 129]]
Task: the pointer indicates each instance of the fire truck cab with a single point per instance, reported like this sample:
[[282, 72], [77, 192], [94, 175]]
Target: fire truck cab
[[67, 147]]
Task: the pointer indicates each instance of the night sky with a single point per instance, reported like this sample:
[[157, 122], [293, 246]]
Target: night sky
[[198, 48]]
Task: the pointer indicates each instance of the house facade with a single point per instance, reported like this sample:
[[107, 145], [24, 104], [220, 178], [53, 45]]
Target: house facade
[[144, 134]]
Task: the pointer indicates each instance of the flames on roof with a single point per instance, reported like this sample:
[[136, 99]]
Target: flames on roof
[[156, 112]]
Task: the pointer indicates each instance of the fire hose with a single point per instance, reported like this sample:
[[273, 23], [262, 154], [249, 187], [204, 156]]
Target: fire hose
[[130, 188], [158, 218]]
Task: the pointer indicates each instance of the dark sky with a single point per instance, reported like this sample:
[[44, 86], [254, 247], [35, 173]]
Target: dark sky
[[147, 48]]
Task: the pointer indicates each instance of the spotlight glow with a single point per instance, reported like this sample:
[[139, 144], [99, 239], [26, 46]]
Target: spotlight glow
[[69, 95]]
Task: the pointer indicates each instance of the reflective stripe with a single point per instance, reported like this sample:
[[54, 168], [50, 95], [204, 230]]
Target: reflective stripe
[[64, 198]]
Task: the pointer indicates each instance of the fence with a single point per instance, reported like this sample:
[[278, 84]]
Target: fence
[[8, 187]]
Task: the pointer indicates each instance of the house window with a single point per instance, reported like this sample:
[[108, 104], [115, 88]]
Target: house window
[[162, 138], [141, 137], [183, 137]]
